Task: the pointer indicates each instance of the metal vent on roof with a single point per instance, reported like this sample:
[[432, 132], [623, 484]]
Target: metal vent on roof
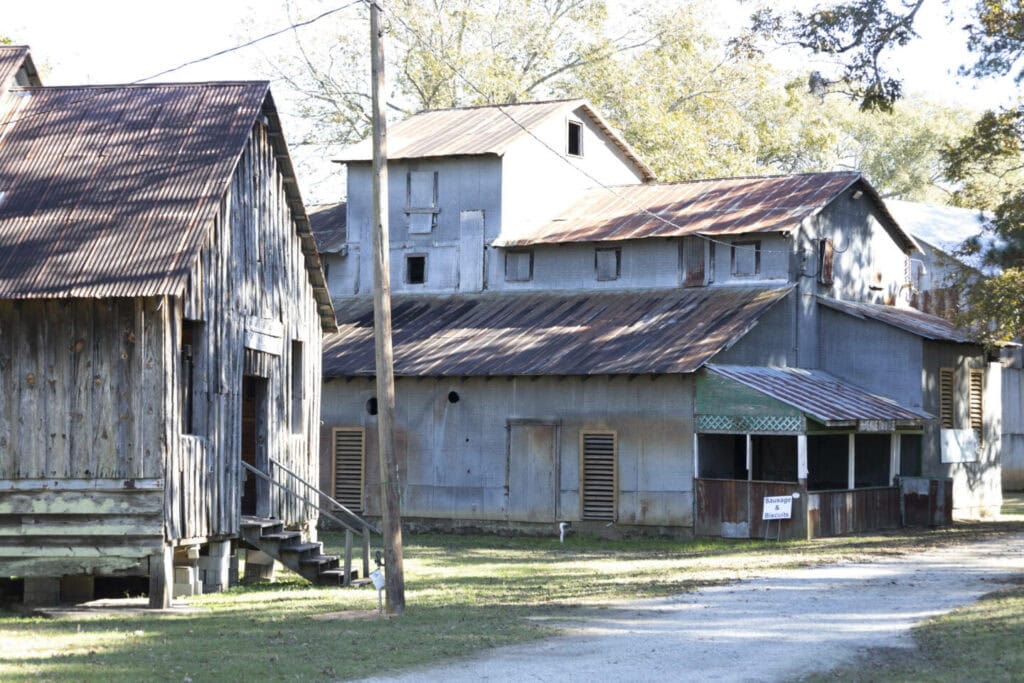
[[598, 475], [946, 386], [349, 461]]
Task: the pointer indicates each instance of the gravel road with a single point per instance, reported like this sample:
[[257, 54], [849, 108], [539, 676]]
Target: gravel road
[[777, 627]]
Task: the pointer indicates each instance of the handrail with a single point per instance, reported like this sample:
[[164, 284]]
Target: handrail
[[329, 498], [266, 476]]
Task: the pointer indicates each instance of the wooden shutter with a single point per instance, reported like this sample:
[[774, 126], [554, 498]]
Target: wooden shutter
[[946, 391], [826, 257], [976, 402], [693, 262], [598, 475], [349, 467]]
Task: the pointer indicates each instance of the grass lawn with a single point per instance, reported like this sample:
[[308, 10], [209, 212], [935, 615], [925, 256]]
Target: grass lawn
[[464, 594]]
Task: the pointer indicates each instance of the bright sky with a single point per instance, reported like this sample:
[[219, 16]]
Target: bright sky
[[110, 41]]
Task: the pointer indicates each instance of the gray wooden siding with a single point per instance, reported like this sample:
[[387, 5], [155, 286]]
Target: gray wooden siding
[[98, 526], [461, 460], [252, 267]]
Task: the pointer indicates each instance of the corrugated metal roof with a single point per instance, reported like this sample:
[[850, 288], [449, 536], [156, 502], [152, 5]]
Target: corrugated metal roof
[[907, 319], [720, 206], [106, 188], [487, 129], [945, 228], [820, 395], [329, 225], [105, 191], [506, 334]]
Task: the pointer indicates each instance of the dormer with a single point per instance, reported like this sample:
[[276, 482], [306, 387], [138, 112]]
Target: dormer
[[17, 68]]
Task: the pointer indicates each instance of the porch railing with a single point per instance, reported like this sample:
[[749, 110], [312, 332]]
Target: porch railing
[[349, 521]]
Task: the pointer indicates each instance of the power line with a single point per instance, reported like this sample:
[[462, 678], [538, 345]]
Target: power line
[[558, 154], [199, 60]]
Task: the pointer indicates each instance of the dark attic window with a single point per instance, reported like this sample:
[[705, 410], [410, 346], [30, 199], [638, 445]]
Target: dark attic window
[[415, 270], [575, 141]]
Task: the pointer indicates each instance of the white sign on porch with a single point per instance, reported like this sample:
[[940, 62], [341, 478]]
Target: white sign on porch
[[777, 507]]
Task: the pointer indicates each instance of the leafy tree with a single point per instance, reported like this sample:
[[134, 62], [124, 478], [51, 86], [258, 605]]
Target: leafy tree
[[986, 164]]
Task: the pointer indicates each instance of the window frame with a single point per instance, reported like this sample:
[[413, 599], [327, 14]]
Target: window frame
[[618, 263], [574, 124], [407, 277], [756, 244], [414, 210], [298, 386], [519, 252]]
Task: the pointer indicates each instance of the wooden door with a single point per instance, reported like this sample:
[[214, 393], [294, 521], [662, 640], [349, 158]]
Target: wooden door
[[256, 490], [533, 473]]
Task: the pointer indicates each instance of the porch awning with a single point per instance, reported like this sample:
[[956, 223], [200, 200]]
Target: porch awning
[[816, 394]]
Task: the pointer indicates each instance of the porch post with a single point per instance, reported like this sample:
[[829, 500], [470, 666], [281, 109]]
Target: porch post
[[750, 458], [696, 458], [894, 458], [801, 458], [801, 520], [851, 475]]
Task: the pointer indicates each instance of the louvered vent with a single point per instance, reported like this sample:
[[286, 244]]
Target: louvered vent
[[349, 449], [977, 405], [946, 386], [598, 475]]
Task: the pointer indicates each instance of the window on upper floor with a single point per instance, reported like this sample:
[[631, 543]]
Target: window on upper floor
[[692, 255], [421, 201], [608, 263], [415, 269], [188, 372], [519, 265], [574, 139], [826, 257], [746, 258]]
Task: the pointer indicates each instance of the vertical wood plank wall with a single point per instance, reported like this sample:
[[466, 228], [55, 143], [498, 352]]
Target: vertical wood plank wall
[[251, 266], [84, 408]]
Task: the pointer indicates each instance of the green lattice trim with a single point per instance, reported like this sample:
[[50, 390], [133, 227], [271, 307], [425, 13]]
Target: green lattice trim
[[750, 423]]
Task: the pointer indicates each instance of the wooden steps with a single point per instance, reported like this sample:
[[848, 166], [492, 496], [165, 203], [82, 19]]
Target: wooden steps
[[305, 559]]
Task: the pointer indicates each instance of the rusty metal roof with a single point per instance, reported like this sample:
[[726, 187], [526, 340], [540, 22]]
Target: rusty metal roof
[[487, 129], [106, 191], [907, 319], [12, 59], [329, 225], [506, 334], [721, 206], [820, 395]]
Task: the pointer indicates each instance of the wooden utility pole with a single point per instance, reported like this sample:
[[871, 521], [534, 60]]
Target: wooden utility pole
[[389, 482]]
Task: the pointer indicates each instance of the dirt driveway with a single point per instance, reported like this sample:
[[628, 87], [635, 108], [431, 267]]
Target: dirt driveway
[[778, 627]]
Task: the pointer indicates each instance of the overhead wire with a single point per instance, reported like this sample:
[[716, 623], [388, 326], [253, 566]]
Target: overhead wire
[[501, 108], [219, 53]]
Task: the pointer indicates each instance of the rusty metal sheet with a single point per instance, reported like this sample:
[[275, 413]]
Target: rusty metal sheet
[[907, 319], [487, 129], [107, 189], [720, 206], [507, 334], [329, 223], [819, 394]]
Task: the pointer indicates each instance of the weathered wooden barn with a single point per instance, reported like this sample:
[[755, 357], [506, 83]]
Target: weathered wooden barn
[[575, 342], [161, 311]]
